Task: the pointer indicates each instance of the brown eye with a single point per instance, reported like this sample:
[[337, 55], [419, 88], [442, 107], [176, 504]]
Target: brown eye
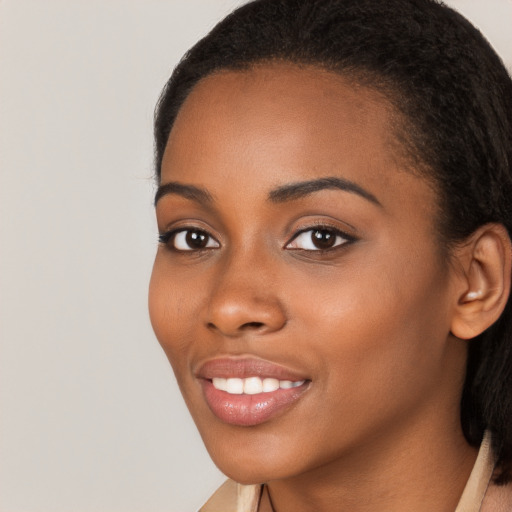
[[189, 240], [323, 239], [319, 239], [196, 239]]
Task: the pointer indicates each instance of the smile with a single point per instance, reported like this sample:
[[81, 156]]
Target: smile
[[253, 385], [247, 391]]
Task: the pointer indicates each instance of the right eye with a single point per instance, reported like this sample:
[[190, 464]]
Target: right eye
[[188, 240]]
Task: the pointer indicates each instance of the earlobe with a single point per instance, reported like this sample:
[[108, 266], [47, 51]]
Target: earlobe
[[484, 284]]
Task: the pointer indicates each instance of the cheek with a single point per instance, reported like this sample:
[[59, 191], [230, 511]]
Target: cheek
[[170, 310], [380, 328]]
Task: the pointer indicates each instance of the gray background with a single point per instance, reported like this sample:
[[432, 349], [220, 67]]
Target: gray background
[[90, 415]]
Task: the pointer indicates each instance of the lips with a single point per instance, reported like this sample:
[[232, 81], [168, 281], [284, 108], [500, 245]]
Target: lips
[[247, 392]]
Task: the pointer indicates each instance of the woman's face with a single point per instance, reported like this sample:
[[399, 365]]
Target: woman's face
[[299, 291]]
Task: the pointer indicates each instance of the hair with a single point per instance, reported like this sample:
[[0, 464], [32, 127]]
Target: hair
[[455, 100]]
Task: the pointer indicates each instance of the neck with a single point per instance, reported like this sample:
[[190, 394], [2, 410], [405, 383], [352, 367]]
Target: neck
[[422, 472]]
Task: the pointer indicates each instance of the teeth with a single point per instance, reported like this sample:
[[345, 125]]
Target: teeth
[[253, 385], [220, 384], [270, 385], [235, 386]]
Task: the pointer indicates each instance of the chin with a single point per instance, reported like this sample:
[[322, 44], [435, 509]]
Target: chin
[[245, 474], [254, 465]]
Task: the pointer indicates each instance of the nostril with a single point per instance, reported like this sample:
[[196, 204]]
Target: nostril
[[252, 325], [249, 326]]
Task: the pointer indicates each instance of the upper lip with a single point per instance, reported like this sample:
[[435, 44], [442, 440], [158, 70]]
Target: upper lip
[[243, 367]]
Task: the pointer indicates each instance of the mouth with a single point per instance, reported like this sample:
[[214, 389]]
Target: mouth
[[253, 385], [248, 392]]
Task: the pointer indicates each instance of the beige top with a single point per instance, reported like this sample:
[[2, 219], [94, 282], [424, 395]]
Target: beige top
[[479, 494]]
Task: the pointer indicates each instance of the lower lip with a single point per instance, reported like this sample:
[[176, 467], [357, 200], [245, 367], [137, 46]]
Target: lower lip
[[250, 410]]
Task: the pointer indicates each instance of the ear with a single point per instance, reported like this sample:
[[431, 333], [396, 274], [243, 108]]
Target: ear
[[483, 286]]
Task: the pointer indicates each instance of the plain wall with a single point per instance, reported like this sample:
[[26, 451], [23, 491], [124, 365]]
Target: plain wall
[[90, 415]]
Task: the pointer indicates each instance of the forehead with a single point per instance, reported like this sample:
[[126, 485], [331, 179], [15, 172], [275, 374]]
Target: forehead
[[278, 123], [308, 90], [284, 104]]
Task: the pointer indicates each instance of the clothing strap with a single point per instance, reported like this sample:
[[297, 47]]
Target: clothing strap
[[476, 487]]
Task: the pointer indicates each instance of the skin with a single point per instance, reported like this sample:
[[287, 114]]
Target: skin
[[368, 321]]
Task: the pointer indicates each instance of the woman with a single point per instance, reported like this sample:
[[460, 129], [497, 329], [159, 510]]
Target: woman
[[332, 284]]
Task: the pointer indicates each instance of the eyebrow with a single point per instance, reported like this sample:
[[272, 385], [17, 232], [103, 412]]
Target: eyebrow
[[301, 189], [192, 192], [289, 192]]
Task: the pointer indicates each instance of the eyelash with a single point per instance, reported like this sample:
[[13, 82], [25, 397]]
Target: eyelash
[[322, 228], [169, 239], [341, 239]]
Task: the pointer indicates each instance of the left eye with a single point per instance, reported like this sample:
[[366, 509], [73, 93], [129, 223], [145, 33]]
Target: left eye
[[189, 240], [318, 239]]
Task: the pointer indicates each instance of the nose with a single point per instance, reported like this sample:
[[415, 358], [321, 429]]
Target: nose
[[245, 301]]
